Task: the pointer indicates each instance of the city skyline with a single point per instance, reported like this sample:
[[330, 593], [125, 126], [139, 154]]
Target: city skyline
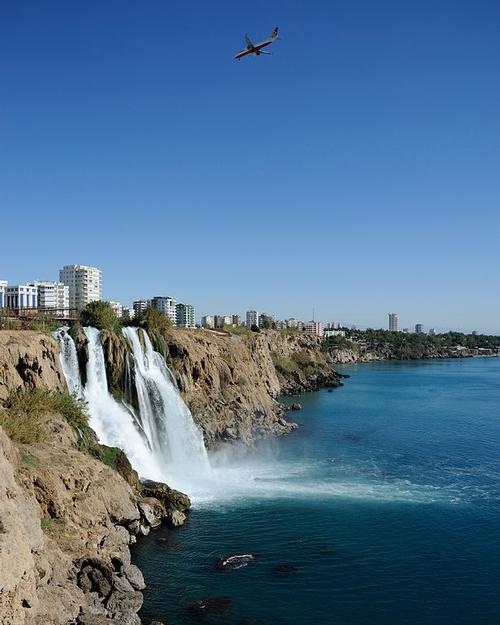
[[368, 183], [168, 304]]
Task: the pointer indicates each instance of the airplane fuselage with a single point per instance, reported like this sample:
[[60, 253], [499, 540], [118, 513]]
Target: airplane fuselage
[[255, 50]]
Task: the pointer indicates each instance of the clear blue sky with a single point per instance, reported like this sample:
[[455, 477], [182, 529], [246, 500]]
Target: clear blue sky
[[357, 169]]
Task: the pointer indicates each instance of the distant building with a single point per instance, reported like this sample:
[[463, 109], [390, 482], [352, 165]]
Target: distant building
[[228, 320], [3, 289], [266, 320], [140, 306], [331, 332], [292, 323], [53, 295], [314, 327], [252, 318], [236, 319], [21, 296], [167, 306], [208, 321], [474, 332], [332, 325], [219, 321], [419, 328], [432, 332], [406, 330], [118, 308], [85, 284], [393, 322], [185, 316]]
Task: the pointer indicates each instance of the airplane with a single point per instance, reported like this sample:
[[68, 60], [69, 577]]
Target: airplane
[[257, 50]]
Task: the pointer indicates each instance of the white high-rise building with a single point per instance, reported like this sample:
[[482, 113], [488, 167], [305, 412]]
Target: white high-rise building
[[167, 306], [85, 284], [208, 321], [252, 318], [393, 322], [21, 296], [53, 295], [3, 293]]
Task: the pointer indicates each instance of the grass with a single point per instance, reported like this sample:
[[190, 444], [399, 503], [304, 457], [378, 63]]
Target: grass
[[28, 460], [23, 416], [238, 330], [52, 527]]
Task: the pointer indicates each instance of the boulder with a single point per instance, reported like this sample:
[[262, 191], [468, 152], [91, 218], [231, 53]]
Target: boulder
[[134, 576], [296, 406], [169, 497], [176, 518]]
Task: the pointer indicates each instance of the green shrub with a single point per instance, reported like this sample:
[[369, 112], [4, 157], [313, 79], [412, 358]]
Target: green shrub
[[153, 320], [24, 412], [99, 315]]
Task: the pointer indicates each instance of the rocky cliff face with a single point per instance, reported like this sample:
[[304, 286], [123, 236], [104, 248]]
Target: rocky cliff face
[[231, 383], [66, 524], [28, 359]]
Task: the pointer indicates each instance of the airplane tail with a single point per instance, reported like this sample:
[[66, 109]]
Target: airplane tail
[[275, 33]]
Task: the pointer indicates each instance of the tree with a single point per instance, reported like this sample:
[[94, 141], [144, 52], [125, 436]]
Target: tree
[[153, 320], [99, 315]]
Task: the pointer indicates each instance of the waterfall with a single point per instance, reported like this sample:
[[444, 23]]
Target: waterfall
[[165, 418], [69, 361], [161, 440]]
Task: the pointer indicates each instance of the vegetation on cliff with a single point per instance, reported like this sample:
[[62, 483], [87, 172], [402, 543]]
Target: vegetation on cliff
[[25, 411]]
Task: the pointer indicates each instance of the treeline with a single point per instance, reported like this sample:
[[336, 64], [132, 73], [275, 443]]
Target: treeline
[[424, 342]]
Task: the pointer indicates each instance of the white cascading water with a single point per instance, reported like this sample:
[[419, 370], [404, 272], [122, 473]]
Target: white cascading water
[[162, 442], [69, 361], [166, 420]]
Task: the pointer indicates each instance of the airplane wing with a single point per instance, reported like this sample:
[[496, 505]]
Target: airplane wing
[[249, 42]]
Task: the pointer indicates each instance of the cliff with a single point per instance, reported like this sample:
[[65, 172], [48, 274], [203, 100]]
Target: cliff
[[28, 359], [66, 523], [231, 382]]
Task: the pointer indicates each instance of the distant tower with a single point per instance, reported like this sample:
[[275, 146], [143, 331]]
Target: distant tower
[[419, 328], [393, 322]]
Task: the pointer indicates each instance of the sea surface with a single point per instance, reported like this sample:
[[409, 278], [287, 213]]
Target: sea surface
[[383, 509]]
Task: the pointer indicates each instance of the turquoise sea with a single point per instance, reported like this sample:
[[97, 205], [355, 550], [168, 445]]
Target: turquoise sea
[[383, 509]]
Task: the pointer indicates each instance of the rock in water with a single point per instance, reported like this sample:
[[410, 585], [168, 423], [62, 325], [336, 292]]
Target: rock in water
[[296, 406], [236, 562]]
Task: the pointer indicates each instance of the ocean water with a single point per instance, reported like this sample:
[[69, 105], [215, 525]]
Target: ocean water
[[383, 509]]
